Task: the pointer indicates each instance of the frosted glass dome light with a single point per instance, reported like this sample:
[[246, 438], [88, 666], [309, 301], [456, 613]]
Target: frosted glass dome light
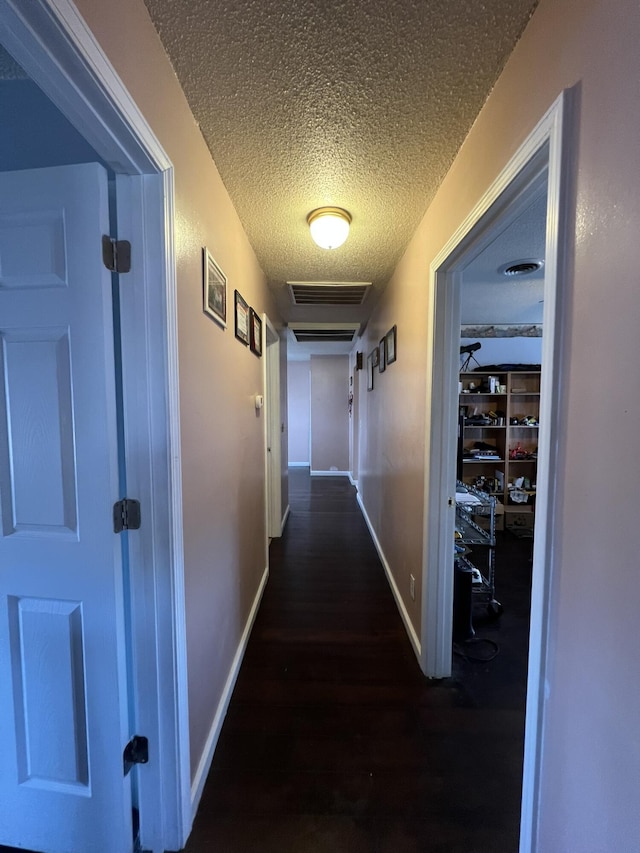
[[329, 226]]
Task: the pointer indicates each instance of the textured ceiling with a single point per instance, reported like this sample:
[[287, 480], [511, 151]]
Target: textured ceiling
[[361, 104], [488, 296]]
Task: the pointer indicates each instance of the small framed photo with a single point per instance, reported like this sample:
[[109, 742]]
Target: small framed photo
[[375, 355], [370, 371], [255, 333], [242, 319], [390, 345], [382, 357], [214, 287]]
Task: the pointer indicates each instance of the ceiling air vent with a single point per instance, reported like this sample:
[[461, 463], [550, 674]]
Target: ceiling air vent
[[524, 267], [328, 292], [324, 332]]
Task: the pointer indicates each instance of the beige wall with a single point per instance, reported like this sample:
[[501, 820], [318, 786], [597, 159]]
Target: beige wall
[[329, 413], [590, 772], [222, 437], [299, 403], [591, 743]]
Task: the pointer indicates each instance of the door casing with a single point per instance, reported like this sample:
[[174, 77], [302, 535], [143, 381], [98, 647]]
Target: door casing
[[55, 47], [272, 436], [543, 156]]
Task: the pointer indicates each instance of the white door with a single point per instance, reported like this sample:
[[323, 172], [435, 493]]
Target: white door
[[63, 704]]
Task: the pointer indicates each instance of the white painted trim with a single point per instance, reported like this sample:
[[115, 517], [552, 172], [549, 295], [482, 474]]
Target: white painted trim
[[56, 48], [299, 464], [329, 473], [272, 420], [149, 342], [352, 481], [413, 637], [206, 758], [546, 528], [285, 518], [175, 598], [545, 149]]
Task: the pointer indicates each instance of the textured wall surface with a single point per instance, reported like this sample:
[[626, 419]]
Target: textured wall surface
[[299, 401], [329, 413], [591, 743], [222, 437], [26, 146]]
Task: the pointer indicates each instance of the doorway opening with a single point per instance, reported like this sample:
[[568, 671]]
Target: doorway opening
[[538, 162]]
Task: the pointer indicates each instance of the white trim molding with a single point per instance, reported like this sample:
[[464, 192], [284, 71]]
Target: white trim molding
[[411, 631], [329, 473], [285, 518], [204, 765]]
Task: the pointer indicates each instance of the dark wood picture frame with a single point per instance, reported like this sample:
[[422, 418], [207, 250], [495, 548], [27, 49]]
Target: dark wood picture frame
[[255, 333], [370, 371], [391, 345], [241, 319], [382, 357], [214, 289]]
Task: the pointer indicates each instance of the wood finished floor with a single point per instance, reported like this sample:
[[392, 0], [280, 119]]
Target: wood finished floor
[[334, 742]]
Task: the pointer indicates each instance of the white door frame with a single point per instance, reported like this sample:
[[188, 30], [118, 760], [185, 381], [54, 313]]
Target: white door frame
[[56, 48], [545, 151], [272, 433], [354, 432]]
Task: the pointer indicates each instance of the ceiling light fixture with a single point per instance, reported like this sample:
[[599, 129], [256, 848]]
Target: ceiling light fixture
[[329, 226]]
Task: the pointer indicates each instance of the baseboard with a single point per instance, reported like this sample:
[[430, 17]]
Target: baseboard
[[413, 637], [352, 481], [284, 519], [329, 473], [212, 740], [298, 464]]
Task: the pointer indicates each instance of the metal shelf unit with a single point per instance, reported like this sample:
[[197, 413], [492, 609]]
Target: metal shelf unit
[[475, 527]]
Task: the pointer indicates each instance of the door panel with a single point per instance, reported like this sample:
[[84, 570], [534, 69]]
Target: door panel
[[63, 706]]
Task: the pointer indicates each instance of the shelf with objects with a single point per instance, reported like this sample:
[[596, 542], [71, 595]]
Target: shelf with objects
[[474, 557], [498, 440], [522, 450], [482, 449]]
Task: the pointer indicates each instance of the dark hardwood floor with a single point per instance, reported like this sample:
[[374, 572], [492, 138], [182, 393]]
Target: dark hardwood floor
[[334, 742]]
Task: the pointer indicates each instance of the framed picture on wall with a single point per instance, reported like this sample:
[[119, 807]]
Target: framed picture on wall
[[375, 355], [382, 356], [370, 369], [242, 319], [255, 333], [390, 345], [214, 287]]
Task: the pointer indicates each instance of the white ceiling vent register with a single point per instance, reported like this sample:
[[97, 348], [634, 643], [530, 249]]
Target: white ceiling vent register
[[328, 292], [324, 332]]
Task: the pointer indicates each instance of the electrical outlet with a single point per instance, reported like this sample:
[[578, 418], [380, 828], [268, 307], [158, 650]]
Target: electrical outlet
[[412, 587]]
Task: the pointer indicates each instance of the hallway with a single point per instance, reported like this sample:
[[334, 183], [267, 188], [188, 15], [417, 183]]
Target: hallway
[[333, 740]]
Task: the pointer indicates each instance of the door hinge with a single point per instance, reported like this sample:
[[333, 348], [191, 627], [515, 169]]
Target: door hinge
[[126, 515], [135, 752], [116, 254]]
